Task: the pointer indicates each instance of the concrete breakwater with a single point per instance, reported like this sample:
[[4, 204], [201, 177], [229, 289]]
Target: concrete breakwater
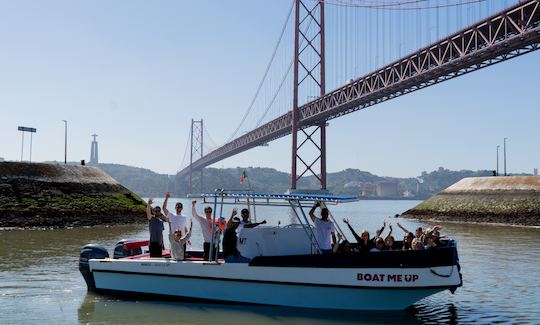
[[49, 195], [506, 200]]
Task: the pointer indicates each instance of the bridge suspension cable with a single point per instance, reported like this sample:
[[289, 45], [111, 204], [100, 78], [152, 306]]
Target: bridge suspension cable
[[265, 75], [183, 163], [213, 144]]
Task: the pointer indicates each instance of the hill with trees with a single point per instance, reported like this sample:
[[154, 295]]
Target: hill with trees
[[147, 183]]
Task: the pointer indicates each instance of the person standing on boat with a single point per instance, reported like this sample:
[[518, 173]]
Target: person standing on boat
[[231, 254], [177, 222], [206, 228], [246, 223], [155, 227], [325, 231]]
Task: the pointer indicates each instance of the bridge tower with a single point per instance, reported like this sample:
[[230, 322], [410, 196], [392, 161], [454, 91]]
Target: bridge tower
[[94, 159], [196, 153], [308, 83]]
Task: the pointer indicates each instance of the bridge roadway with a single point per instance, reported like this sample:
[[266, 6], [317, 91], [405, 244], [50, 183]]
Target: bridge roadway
[[512, 32]]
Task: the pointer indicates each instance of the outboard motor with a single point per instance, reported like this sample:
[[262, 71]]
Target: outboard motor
[[120, 251], [88, 252]]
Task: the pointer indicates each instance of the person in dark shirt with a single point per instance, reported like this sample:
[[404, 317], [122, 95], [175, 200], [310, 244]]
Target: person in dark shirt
[[365, 243], [155, 227], [230, 239]]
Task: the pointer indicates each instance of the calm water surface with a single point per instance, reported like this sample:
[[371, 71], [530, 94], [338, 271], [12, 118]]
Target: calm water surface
[[40, 281]]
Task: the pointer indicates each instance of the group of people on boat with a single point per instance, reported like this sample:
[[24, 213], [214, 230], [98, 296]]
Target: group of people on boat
[[180, 231], [325, 232], [329, 243]]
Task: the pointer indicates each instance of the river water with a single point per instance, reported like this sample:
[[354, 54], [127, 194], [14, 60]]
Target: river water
[[40, 281]]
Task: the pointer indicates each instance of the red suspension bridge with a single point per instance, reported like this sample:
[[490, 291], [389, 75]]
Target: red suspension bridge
[[508, 33]]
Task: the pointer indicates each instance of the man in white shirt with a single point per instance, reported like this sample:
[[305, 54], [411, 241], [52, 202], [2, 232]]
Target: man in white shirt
[[206, 228], [325, 231], [177, 222]]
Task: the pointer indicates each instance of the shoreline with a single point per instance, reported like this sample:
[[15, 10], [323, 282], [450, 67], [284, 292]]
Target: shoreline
[[499, 224]]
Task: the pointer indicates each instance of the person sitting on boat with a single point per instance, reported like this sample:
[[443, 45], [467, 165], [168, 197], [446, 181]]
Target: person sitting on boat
[[180, 238], [432, 232], [417, 244], [231, 254], [246, 223], [176, 221], [379, 245], [432, 236], [343, 246], [419, 233], [365, 243], [430, 242], [389, 242], [325, 231], [407, 241], [155, 227], [206, 228]]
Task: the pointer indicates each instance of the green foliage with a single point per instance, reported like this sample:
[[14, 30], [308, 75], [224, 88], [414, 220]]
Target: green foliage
[[436, 181], [146, 183], [142, 181]]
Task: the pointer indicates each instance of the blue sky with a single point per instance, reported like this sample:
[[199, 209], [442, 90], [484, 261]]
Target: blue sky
[[137, 72]]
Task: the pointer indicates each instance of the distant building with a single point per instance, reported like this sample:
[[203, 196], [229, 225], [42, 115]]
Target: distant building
[[94, 158], [387, 189], [368, 189], [352, 184], [408, 193], [535, 171], [1, 159]]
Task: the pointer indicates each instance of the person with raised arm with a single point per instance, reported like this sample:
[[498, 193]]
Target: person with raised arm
[[177, 222], [389, 240], [418, 234], [325, 231], [180, 238], [366, 243], [231, 254], [246, 222], [206, 228], [155, 227]]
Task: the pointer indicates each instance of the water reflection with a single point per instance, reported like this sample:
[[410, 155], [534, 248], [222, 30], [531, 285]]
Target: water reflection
[[23, 248], [105, 309]]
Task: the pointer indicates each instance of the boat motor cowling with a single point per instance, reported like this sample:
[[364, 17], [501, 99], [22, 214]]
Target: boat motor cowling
[[90, 251]]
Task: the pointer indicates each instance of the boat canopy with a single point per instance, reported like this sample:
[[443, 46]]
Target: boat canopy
[[296, 201], [259, 198]]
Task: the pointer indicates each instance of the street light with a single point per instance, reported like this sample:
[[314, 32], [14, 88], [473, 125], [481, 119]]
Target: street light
[[504, 149], [497, 174], [65, 141]]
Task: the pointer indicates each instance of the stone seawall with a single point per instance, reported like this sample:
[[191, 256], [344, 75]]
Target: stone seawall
[[506, 200], [48, 195]]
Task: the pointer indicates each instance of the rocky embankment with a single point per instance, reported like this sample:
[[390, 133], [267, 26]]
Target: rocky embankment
[[48, 195], [506, 200]]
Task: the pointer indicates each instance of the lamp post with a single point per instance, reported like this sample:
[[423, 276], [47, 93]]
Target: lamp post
[[504, 150], [497, 173], [65, 141]]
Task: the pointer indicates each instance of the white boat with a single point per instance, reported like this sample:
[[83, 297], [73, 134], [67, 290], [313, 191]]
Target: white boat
[[285, 269]]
